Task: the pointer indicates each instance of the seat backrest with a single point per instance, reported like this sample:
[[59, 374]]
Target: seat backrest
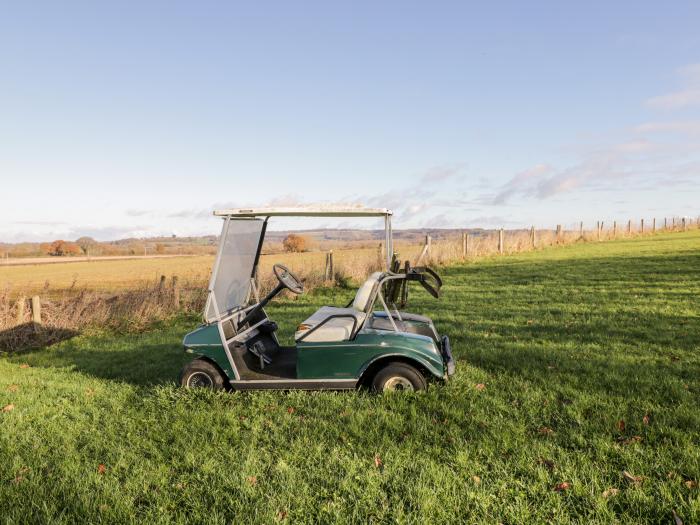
[[364, 293]]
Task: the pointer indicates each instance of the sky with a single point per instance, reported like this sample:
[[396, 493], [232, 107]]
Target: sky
[[121, 119]]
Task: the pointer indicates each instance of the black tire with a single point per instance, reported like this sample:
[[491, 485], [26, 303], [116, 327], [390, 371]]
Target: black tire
[[398, 376], [202, 374]]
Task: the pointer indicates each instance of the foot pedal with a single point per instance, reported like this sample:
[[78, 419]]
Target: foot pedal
[[258, 349]]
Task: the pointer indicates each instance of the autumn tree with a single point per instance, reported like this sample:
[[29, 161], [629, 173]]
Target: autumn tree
[[295, 243], [71, 248], [60, 247], [56, 248]]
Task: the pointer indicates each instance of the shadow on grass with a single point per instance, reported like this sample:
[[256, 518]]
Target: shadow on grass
[[144, 359], [32, 336], [138, 364]]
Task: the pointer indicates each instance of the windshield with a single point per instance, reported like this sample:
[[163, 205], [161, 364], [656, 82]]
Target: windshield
[[230, 283]]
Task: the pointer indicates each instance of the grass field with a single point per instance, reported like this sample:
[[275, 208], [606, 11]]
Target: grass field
[[589, 357]]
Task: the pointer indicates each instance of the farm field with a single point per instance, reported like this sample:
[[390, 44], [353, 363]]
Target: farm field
[[575, 401], [112, 275]]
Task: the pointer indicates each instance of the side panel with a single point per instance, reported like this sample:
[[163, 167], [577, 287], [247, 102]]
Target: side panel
[[205, 341], [348, 359]]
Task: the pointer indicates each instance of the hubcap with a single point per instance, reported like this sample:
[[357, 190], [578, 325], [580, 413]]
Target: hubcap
[[199, 380], [397, 383]]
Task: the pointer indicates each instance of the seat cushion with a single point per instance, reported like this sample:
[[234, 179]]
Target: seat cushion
[[364, 293], [339, 329]]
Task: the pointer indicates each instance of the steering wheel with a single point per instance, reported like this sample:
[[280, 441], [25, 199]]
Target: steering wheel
[[287, 279]]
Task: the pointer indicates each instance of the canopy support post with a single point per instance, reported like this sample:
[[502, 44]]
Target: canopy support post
[[389, 243]]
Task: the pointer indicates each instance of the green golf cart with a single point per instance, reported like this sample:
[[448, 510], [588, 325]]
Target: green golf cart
[[337, 348]]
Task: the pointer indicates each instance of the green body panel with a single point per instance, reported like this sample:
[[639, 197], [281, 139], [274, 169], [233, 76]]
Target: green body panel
[[331, 360], [348, 359], [205, 341]]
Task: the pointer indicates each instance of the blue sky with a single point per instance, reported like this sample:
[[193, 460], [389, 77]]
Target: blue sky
[[139, 118]]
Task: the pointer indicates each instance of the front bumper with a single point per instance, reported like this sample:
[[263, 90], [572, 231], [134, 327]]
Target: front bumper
[[447, 358]]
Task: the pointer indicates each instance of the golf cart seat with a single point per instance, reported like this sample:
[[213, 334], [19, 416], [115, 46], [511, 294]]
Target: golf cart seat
[[334, 324]]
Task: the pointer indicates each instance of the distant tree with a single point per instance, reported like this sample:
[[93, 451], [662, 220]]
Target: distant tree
[[160, 248], [86, 244], [295, 243], [56, 248], [110, 249], [71, 248], [60, 248]]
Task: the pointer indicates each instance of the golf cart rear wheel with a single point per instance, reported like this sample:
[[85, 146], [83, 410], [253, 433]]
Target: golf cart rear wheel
[[398, 377], [201, 374]]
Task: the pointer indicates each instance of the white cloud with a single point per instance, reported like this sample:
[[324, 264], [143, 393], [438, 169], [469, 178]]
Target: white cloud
[[653, 154], [676, 100], [687, 127], [647, 163], [522, 182], [132, 212], [688, 96], [691, 73], [443, 173]]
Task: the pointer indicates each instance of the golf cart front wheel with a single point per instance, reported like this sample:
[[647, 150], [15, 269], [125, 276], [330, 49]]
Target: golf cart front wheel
[[399, 377], [201, 374]]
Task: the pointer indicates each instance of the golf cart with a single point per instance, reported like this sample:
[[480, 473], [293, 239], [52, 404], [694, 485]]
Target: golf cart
[[336, 348]]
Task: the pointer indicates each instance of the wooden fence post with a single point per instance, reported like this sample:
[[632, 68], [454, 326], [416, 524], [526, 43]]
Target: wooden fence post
[[532, 238], [161, 284], [629, 227], [176, 291], [425, 251], [580, 230], [20, 309], [500, 241], [464, 244], [653, 225], [599, 226], [558, 233], [641, 226], [36, 310], [684, 224], [673, 223], [468, 243], [614, 229], [665, 224]]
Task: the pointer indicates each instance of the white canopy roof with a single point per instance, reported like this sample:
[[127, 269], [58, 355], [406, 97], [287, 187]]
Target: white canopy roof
[[304, 211]]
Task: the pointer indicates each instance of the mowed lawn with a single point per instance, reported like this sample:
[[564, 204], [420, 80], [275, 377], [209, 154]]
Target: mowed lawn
[[576, 399]]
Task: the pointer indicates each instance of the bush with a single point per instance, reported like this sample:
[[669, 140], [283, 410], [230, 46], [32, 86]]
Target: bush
[[295, 243]]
